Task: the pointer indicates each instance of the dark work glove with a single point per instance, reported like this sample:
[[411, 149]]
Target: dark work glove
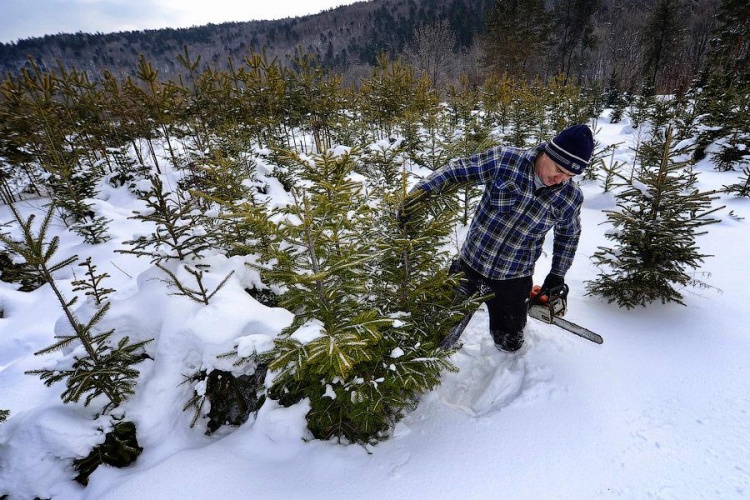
[[402, 217], [408, 206], [551, 283]]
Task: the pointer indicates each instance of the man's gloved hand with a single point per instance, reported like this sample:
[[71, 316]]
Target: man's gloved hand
[[401, 216], [552, 282], [408, 206]]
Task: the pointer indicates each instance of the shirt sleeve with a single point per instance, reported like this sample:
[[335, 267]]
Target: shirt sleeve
[[476, 169], [566, 233]]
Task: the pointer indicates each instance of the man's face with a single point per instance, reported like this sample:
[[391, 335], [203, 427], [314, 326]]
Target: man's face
[[550, 172]]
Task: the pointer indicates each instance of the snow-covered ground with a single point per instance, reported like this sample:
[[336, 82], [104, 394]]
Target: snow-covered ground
[[660, 410]]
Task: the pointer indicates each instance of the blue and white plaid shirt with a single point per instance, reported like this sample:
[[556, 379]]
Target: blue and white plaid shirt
[[506, 235]]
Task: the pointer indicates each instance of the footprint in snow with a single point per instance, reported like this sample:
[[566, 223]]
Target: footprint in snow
[[489, 380]]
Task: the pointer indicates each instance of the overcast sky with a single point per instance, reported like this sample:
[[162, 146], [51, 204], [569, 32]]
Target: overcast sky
[[31, 18]]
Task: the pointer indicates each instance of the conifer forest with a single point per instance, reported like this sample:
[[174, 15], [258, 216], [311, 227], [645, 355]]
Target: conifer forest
[[210, 149]]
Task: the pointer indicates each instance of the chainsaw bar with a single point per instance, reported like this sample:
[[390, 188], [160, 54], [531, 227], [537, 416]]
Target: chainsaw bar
[[578, 330]]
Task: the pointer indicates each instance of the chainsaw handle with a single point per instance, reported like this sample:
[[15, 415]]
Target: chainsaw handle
[[560, 290], [539, 296]]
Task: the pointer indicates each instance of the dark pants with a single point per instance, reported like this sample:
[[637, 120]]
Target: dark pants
[[507, 308]]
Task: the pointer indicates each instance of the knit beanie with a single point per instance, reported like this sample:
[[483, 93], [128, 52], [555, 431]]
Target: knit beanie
[[572, 148]]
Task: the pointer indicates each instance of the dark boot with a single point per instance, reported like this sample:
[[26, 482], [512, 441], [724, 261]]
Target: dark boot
[[508, 341]]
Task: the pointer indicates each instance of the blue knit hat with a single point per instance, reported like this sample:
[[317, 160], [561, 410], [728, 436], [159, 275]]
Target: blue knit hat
[[572, 148]]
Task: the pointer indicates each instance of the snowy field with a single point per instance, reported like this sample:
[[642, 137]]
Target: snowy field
[[660, 410]]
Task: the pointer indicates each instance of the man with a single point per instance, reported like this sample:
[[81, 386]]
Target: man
[[527, 193]]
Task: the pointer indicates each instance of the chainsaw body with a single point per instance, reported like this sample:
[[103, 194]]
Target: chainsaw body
[[547, 307]]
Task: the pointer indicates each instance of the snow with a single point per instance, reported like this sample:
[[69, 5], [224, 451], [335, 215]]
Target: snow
[[660, 410]]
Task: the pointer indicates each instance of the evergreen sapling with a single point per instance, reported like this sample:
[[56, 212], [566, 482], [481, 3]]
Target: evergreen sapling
[[655, 229], [177, 231], [93, 366], [332, 354]]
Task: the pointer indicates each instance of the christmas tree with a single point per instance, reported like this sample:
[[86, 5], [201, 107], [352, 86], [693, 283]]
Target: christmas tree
[[655, 229]]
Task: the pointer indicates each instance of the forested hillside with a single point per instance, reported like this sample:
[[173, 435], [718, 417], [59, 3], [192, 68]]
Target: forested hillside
[[344, 37], [624, 44]]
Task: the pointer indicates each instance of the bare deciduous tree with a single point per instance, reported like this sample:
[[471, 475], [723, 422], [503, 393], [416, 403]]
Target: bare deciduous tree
[[432, 50]]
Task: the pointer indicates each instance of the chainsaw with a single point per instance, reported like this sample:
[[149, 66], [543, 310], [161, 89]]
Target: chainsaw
[[550, 307]]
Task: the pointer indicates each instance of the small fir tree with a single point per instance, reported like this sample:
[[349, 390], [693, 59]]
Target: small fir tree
[[119, 449], [742, 187], [410, 281], [566, 104], [128, 171], [610, 171], [655, 230], [732, 151], [92, 285], [318, 262], [497, 98], [411, 278], [436, 140], [359, 368], [618, 102], [641, 106], [526, 114], [233, 201], [21, 273], [177, 234], [199, 293], [226, 398], [95, 366]]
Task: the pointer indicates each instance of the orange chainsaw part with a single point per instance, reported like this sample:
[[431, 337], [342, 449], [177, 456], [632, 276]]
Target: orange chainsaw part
[[535, 291]]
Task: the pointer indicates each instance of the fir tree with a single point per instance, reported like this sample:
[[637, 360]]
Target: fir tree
[[723, 89], [337, 352], [410, 281], [641, 106], [22, 273], [95, 366], [382, 164], [92, 285], [52, 131], [177, 233], [128, 171], [386, 95], [654, 230], [497, 98], [198, 294], [476, 138], [742, 187], [574, 30], [226, 186], [320, 264], [435, 140], [662, 36], [119, 449], [618, 102], [411, 278], [527, 114], [612, 170], [225, 398], [567, 104], [732, 150]]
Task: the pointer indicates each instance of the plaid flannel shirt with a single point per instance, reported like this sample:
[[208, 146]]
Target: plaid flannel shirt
[[506, 235]]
